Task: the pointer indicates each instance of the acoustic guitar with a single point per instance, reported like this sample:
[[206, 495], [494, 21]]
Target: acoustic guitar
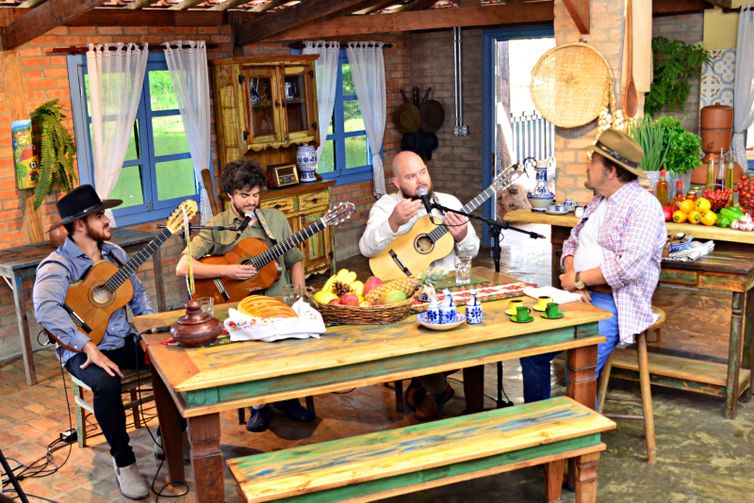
[[105, 288], [252, 251], [413, 252]]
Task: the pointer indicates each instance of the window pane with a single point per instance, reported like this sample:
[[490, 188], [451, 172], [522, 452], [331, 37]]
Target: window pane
[[132, 153], [128, 187], [162, 95], [352, 118], [348, 89], [356, 151], [326, 162], [169, 135], [175, 179]]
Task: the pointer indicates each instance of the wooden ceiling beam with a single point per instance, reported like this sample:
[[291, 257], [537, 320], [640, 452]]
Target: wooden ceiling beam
[[423, 4], [579, 11], [674, 7], [434, 19], [186, 4], [277, 22], [42, 19], [140, 4], [162, 17]]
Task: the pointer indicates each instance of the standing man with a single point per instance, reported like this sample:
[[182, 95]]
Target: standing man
[[394, 214], [612, 257], [242, 180], [98, 365]]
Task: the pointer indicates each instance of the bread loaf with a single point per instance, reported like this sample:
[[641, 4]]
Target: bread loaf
[[261, 306]]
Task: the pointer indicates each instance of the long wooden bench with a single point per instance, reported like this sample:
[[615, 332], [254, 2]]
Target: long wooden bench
[[413, 458]]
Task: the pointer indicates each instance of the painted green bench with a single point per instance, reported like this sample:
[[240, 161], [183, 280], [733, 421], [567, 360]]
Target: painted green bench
[[414, 458]]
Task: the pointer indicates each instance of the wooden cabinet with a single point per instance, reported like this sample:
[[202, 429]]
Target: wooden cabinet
[[264, 103], [303, 205]]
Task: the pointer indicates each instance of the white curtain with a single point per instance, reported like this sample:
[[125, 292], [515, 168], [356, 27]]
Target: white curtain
[[326, 69], [116, 74], [187, 65], [368, 74], [743, 98]]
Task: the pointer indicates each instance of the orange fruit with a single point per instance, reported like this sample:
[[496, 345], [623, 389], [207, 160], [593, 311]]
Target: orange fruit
[[694, 217], [703, 204], [709, 218], [687, 206], [679, 216]]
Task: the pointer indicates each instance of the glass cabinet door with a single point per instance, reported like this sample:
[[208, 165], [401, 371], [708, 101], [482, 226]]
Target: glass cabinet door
[[263, 102], [300, 96]]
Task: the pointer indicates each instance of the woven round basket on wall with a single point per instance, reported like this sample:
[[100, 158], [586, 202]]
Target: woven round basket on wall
[[571, 84]]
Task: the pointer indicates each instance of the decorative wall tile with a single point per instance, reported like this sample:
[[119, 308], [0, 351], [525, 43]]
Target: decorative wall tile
[[718, 77]]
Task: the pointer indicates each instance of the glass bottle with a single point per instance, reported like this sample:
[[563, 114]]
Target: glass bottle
[[676, 201], [662, 188], [720, 177], [711, 172]]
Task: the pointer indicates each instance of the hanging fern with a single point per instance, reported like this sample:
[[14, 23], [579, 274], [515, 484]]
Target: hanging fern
[[56, 152]]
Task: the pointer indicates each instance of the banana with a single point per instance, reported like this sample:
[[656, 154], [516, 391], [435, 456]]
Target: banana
[[358, 288], [329, 284]]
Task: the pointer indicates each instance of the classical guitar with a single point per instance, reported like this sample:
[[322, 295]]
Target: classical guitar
[[413, 252], [255, 252], [105, 288]]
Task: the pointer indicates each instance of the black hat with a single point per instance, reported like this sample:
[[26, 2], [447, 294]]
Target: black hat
[[81, 202]]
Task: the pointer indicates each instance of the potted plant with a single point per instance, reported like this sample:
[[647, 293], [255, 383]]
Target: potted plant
[[675, 62], [56, 151]]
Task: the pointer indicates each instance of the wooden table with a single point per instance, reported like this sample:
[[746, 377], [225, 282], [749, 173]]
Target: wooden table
[[730, 268], [20, 263], [200, 383]]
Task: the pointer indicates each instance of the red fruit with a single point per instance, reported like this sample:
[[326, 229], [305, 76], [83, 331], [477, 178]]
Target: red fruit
[[372, 283], [668, 213], [349, 299], [334, 301]]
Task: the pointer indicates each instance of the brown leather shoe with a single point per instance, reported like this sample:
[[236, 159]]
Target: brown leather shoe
[[414, 393], [432, 404]]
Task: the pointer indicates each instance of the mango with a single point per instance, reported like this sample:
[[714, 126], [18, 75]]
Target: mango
[[393, 296]]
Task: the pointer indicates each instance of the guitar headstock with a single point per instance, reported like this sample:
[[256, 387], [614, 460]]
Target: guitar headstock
[[175, 220], [507, 176], [339, 213]]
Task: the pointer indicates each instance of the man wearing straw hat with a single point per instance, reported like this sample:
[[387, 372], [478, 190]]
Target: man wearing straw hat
[[98, 365], [612, 257]]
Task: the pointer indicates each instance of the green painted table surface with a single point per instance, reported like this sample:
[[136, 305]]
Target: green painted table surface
[[199, 383]]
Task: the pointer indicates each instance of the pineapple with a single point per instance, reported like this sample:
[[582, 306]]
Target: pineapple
[[407, 285]]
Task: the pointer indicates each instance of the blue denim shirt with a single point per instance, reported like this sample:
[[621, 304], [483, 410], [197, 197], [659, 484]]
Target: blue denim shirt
[[55, 273]]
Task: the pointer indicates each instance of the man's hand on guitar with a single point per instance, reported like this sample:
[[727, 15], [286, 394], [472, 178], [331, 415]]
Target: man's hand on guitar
[[456, 225], [240, 272], [95, 356], [403, 212]]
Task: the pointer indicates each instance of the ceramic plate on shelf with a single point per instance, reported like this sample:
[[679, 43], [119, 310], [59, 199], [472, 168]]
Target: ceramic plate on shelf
[[421, 318]]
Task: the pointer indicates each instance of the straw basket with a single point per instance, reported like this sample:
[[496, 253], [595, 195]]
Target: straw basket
[[373, 315], [571, 84]]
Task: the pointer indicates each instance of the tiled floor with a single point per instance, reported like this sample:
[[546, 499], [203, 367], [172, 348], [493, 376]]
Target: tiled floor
[[701, 456]]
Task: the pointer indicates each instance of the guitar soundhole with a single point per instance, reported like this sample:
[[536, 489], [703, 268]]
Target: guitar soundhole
[[101, 296], [423, 244]]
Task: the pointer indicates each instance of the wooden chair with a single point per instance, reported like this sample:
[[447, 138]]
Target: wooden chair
[[620, 358], [130, 384]]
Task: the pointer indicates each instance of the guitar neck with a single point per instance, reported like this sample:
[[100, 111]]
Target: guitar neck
[[469, 207], [130, 267], [283, 247]]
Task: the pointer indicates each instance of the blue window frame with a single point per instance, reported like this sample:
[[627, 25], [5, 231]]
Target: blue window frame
[[347, 156], [157, 173]]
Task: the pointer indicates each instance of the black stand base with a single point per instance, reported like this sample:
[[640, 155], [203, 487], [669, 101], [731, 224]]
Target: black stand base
[[14, 482]]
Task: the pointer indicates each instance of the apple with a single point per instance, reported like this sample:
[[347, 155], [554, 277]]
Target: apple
[[372, 283], [667, 212], [349, 299], [334, 301]]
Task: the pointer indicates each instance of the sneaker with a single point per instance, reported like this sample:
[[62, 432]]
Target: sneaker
[[130, 481], [293, 409], [260, 419], [432, 404]]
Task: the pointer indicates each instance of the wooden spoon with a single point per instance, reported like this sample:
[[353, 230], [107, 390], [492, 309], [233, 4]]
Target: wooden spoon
[[630, 100]]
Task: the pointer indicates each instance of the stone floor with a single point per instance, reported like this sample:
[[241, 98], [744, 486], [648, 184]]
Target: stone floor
[[701, 457]]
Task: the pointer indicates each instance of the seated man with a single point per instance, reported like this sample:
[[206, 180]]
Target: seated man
[[612, 257], [98, 365], [394, 214], [242, 180]]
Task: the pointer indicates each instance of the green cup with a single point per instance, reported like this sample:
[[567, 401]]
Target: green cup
[[553, 310], [523, 313]]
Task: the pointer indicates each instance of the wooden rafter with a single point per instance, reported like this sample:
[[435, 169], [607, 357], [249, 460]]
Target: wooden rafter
[[434, 19], [139, 4], [675, 7], [42, 19], [276, 22], [422, 4], [185, 4], [28, 4], [228, 4], [374, 7], [162, 17], [579, 11]]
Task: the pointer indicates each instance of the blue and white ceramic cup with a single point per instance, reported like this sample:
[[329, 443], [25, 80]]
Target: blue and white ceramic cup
[[447, 314], [433, 313], [473, 314]]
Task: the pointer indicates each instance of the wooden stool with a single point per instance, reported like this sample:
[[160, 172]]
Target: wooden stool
[[130, 384], [644, 384]]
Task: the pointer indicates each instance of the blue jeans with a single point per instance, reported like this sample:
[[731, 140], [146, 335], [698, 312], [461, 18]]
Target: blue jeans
[[536, 369]]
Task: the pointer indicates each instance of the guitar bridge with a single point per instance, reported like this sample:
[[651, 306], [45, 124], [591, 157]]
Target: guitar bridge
[[398, 262]]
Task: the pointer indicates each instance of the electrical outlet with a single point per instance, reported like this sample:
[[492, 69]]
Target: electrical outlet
[[69, 436]]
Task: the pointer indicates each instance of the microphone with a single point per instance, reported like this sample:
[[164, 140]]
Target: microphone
[[250, 217], [422, 193]]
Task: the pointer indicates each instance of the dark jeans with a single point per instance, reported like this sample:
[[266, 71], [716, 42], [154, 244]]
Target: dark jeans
[[108, 404]]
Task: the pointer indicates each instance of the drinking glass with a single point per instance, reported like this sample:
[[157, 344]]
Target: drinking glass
[[207, 304], [463, 270], [293, 293]]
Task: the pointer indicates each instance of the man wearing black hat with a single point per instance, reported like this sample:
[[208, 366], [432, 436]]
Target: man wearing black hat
[[83, 215]]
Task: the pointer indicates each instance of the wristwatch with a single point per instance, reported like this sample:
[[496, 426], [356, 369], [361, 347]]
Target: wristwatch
[[580, 285]]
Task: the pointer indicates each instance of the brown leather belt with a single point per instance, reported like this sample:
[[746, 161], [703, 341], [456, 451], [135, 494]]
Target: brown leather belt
[[600, 288]]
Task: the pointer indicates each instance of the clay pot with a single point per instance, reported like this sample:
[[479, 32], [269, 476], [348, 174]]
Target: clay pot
[[196, 328], [716, 125], [58, 235]]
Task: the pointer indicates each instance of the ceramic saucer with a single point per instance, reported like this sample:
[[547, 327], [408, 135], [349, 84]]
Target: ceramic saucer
[[544, 315], [514, 320], [421, 318]]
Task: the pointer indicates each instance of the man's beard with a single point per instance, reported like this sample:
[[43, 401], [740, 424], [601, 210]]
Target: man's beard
[[98, 235], [430, 194]]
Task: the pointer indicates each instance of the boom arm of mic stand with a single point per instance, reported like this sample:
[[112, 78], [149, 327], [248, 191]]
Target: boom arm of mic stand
[[203, 227]]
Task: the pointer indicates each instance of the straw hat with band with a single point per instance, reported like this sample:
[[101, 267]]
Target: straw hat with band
[[621, 149], [81, 202]]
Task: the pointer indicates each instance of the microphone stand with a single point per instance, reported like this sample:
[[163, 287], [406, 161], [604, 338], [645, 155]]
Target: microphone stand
[[193, 227]]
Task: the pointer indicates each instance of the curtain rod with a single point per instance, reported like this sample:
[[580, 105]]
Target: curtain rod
[[300, 45], [80, 50]]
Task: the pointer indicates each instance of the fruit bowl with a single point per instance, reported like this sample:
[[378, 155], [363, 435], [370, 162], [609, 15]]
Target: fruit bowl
[[676, 246], [380, 314]]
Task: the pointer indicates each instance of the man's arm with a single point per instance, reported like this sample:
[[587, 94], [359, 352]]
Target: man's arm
[[297, 274], [378, 233]]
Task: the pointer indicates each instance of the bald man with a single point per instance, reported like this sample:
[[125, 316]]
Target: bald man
[[394, 214]]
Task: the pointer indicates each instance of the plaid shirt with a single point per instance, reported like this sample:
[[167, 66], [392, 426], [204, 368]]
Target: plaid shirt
[[631, 237]]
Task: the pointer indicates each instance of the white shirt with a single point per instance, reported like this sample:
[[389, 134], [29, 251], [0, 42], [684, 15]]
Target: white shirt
[[378, 235], [589, 255]]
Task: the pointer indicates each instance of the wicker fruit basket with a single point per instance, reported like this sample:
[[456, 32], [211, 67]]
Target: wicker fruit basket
[[373, 315]]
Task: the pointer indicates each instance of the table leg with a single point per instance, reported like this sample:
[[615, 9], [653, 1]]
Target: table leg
[[582, 380], [170, 428], [159, 286], [23, 328], [473, 388], [735, 352], [748, 355], [206, 457]]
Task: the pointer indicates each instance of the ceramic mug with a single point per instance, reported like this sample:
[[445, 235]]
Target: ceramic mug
[[542, 303], [512, 305], [474, 314], [523, 313], [553, 310], [447, 314]]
